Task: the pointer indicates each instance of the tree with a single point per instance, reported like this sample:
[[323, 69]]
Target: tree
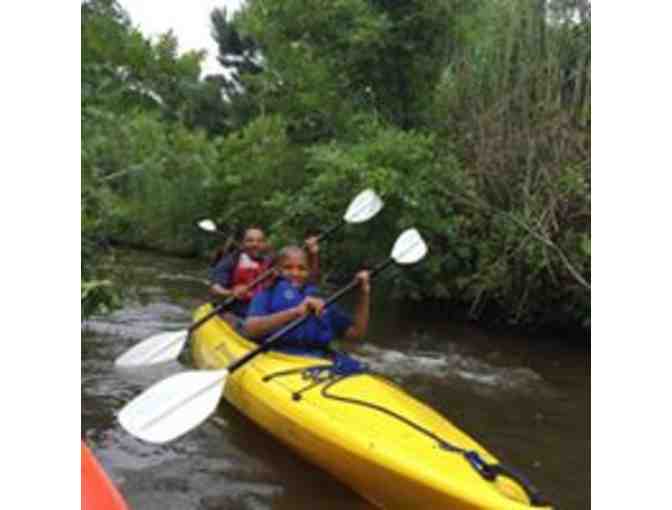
[[238, 55], [382, 56]]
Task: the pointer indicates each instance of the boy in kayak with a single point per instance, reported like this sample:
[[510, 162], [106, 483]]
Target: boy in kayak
[[232, 274], [292, 296]]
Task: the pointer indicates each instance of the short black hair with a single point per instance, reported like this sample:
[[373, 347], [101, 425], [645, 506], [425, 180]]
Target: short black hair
[[292, 248]]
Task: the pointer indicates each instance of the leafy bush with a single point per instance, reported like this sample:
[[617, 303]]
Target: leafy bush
[[471, 119]]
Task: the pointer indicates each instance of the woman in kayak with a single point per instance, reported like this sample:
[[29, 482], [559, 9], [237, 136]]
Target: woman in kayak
[[232, 274], [292, 296]]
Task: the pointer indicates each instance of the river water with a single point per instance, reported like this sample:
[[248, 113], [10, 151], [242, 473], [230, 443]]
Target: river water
[[527, 400]]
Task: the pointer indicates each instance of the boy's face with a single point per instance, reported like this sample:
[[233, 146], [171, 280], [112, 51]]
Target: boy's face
[[253, 242], [294, 268]]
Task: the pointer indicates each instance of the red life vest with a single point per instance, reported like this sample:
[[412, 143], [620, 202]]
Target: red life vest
[[246, 271]]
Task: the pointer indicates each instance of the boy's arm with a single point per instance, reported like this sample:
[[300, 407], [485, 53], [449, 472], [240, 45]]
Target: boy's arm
[[361, 322], [259, 325], [313, 251]]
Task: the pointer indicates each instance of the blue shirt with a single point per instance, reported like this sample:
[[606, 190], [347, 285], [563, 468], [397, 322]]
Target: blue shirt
[[222, 272], [314, 332]]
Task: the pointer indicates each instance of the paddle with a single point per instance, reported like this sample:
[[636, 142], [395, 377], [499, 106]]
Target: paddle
[[179, 403], [209, 226], [167, 346]]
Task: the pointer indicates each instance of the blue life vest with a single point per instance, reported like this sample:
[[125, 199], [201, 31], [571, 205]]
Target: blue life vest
[[315, 332]]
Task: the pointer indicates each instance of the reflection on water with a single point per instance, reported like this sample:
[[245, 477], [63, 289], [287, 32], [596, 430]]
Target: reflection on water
[[526, 400]]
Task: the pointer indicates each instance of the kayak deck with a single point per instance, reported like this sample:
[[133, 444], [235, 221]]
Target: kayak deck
[[363, 429]]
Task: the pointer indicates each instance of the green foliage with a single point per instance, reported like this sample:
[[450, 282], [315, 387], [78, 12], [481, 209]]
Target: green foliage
[[470, 118], [324, 58], [143, 168], [253, 164], [96, 295], [155, 175], [518, 88], [401, 166], [236, 53]]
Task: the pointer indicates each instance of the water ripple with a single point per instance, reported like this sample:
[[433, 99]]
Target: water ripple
[[137, 322], [449, 367]]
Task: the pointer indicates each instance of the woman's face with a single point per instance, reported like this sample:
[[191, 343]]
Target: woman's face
[[254, 242], [294, 268]]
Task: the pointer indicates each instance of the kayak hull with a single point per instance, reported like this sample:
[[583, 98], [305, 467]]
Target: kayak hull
[[363, 429]]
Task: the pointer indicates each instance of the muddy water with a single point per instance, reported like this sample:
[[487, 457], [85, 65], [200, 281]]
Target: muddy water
[[525, 399]]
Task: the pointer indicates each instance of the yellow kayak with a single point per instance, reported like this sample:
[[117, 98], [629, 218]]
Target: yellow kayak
[[393, 450]]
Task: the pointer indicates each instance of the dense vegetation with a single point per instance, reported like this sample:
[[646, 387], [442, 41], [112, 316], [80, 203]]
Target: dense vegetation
[[471, 119]]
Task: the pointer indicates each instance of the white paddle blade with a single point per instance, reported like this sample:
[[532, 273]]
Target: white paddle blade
[[173, 406], [363, 207], [207, 225], [155, 349], [409, 248]]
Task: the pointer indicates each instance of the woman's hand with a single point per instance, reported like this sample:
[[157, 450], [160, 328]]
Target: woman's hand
[[240, 292], [312, 245], [364, 278], [308, 305]]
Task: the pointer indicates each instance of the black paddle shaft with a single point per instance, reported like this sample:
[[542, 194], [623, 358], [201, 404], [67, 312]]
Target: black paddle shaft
[[330, 230], [228, 301], [297, 322]]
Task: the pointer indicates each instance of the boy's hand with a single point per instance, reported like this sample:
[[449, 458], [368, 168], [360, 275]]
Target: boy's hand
[[308, 305]]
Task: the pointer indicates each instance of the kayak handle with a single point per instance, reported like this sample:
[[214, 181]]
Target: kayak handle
[[491, 471]]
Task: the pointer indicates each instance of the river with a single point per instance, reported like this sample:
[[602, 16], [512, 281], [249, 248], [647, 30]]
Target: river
[[527, 400]]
